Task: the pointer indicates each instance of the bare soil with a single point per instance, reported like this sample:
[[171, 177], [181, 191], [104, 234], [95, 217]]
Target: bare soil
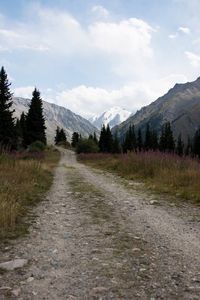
[[96, 236]]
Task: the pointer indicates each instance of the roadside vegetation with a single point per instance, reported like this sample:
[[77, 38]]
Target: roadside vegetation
[[161, 172], [24, 179], [26, 163]]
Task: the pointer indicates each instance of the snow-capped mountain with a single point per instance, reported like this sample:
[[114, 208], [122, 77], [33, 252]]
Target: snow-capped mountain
[[113, 117], [56, 115]]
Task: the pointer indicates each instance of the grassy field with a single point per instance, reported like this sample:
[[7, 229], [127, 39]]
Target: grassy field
[[24, 178], [161, 172]]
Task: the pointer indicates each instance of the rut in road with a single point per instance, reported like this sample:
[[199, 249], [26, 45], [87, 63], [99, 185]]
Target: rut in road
[[93, 238]]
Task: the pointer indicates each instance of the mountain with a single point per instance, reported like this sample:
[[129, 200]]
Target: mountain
[[180, 106], [113, 117], [56, 115]]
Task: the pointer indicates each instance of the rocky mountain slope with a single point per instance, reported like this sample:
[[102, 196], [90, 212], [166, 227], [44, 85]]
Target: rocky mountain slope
[[57, 116], [113, 117], [180, 106]]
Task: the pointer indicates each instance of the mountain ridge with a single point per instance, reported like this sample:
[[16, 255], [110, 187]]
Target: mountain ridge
[[56, 115], [180, 106]]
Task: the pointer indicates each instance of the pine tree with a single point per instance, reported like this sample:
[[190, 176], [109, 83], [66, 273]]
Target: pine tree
[[130, 143], [75, 139], [180, 146], [35, 121], [56, 139], [23, 129], [109, 140], [116, 145], [95, 138], [60, 137], [196, 143], [139, 140], [147, 142], [102, 139], [154, 140], [189, 148], [63, 138], [167, 143], [7, 125]]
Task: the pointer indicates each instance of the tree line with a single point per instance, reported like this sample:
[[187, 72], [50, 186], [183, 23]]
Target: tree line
[[16, 133], [135, 141]]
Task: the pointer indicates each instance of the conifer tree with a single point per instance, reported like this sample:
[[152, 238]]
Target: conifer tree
[[102, 139], [167, 143], [139, 140], [147, 142], [196, 143], [130, 143], [116, 145], [56, 139], [7, 125], [60, 137], [179, 146], [75, 139], [23, 129], [35, 122], [154, 140], [189, 147], [95, 138], [109, 140]]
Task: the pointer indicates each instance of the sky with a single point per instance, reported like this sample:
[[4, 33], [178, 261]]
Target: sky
[[91, 55]]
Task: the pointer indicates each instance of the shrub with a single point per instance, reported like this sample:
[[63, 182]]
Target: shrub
[[86, 146], [37, 146]]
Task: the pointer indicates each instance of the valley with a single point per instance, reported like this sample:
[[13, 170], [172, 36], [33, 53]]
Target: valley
[[95, 238]]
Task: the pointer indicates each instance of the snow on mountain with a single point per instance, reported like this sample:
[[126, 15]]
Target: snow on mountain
[[113, 117]]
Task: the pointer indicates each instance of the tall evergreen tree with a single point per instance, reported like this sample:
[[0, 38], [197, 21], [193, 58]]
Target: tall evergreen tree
[[23, 129], [60, 137], [116, 145], [154, 140], [109, 140], [167, 143], [130, 143], [75, 139], [189, 147], [7, 125], [196, 143], [139, 140], [95, 138], [35, 121], [102, 139], [180, 146], [148, 136]]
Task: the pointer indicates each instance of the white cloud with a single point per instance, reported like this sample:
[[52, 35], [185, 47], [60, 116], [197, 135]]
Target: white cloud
[[173, 36], [193, 58], [25, 92], [100, 11], [185, 30], [127, 43], [88, 101]]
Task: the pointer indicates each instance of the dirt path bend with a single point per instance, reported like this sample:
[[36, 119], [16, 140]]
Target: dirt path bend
[[94, 238]]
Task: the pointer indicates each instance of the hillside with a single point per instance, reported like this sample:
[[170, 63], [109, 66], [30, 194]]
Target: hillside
[[113, 117], [56, 115], [180, 106]]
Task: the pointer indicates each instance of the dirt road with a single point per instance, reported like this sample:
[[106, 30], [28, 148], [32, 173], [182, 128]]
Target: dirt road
[[99, 237]]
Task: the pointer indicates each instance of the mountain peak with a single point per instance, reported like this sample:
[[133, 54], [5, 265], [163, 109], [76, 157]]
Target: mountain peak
[[113, 116], [180, 106]]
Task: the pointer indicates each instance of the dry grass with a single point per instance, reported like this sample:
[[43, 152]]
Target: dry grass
[[161, 172], [23, 181]]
